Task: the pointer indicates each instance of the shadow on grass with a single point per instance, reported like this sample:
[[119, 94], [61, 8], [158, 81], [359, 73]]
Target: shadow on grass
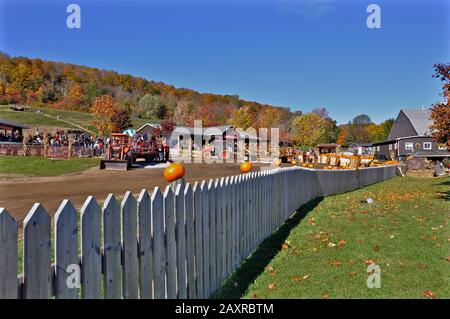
[[445, 194], [239, 281]]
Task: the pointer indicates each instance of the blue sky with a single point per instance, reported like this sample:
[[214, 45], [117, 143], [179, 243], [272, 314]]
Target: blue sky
[[297, 53]]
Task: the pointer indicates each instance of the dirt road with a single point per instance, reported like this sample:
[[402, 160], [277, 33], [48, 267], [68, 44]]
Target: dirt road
[[19, 194]]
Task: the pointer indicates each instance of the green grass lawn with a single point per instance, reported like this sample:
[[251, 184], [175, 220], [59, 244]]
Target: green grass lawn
[[39, 166], [323, 250], [79, 118]]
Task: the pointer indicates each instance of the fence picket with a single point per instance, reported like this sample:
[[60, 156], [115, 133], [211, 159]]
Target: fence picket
[[206, 240], [212, 236], [66, 250], [36, 254], [145, 246], [180, 231], [190, 238], [111, 248], [170, 243], [8, 256], [129, 247], [198, 224], [91, 256], [159, 262]]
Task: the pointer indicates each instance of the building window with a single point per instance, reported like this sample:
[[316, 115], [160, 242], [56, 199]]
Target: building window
[[378, 148], [390, 147], [442, 147], [427, 145], [409, 146]]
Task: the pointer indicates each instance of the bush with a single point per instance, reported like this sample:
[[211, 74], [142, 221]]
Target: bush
[[446, 162]]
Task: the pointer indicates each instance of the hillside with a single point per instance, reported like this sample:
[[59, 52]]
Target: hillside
[[58, 118], [74, 88]]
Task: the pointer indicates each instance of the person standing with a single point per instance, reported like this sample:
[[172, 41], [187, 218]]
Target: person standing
[[166, 151]]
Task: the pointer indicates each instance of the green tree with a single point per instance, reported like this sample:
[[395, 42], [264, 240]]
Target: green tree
[[308, 130], [361, 119], [151, 107]]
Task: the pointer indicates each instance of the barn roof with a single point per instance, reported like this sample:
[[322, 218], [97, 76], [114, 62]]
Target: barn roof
[[12, 124], [420, 120]]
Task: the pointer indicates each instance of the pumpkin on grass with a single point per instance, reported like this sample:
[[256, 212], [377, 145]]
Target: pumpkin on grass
[[173, 172], [246, 167]]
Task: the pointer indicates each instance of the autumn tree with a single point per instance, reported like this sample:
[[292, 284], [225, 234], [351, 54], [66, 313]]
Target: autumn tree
[[121, 119], [440, 112], [376, 132], [182, 115], [167, 126], [109, 117], [307, 130], [242, 119]]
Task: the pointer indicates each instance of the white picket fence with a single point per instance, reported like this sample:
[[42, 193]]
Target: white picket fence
[[160, 245]]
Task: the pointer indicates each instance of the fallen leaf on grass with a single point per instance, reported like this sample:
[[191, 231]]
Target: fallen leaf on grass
[[429, 294], [336, 263], [305, 277], [433, 238], [254, 296], [297, 278], [422, 266], [325, 295], [370, 261], [342, 242], [330, 244], [448, 258], [285, 246], [353, 273], [272, 286]]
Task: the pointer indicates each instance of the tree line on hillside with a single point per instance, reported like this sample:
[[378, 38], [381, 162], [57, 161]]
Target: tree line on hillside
[[114, 98]]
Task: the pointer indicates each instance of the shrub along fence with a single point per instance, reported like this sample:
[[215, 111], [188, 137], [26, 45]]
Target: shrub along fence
[[180, 244]]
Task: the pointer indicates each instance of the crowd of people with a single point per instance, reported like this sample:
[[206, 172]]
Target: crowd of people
[[9, 136]]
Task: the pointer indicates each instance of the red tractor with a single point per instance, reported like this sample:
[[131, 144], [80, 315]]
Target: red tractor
[[123, 150]]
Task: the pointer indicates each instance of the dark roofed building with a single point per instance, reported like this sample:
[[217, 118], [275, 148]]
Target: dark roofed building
[[411, 136], [11, 131]]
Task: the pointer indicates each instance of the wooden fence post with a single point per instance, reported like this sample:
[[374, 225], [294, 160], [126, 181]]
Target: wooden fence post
[[159, 262], [36, 254], [198, 230], [8, 256], [66, 250], [91, 245], [112, 248], [181, 246], [145, 246], [170, 243], [190, 238], [129, 247]]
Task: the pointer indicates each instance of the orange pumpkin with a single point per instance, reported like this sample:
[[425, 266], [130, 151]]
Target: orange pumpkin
[[246, 167], [173, 172]]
